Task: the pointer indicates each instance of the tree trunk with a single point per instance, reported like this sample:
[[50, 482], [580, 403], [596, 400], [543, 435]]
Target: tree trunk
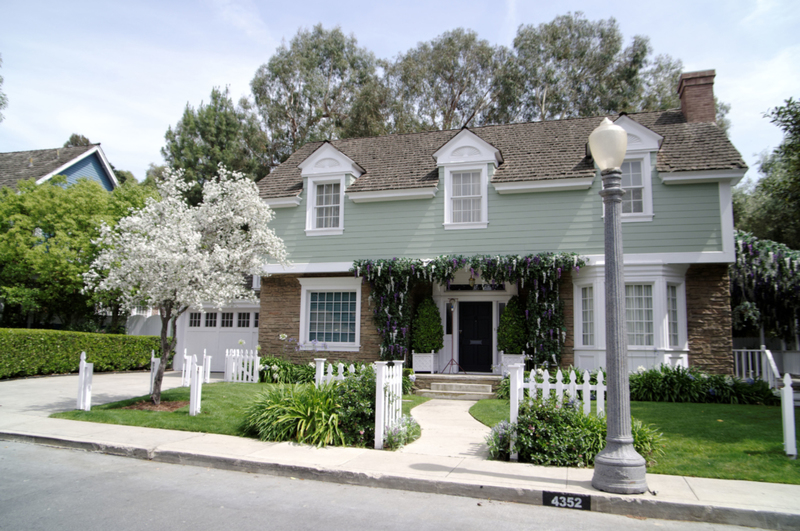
[[166, 349]]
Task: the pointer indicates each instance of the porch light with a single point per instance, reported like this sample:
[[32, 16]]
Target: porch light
[[618, 467]]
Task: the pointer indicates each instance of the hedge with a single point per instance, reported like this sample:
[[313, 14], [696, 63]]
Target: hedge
[[29, 352]]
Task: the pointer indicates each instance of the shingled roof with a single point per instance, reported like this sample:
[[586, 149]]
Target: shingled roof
[[531, 151], [18, 165]]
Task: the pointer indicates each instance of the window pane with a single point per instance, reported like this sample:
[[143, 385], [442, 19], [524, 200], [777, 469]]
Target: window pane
[[672, 314], [244, 320], [227, 320], [327, 206], [194, 319], [211, 320], [633, 184], [587, 313], [337, 322], [639, 314]]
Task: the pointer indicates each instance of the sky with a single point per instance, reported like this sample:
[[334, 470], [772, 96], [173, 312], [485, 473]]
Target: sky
[[121, 73]]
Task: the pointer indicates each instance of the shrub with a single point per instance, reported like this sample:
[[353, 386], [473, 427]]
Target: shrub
[[303, 413], [677, 384], [356, 395], [277, 370], [407, 430], [550, 433], [29, 352], [511, 331], [499, 441], [427, 334]]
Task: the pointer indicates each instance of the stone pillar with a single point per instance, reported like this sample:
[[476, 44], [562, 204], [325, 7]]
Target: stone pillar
[[708, 315]]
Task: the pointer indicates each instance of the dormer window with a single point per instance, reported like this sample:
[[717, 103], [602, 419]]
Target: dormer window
[[632, 182], [643, 144], [467, 197], [327, 206]]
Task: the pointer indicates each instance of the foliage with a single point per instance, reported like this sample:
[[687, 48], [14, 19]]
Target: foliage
[[46, 245], [406, 431], [356, 396], [3, 97], [307, 90], [25, 352], [668, 384], [211, 135], [279, 370], [392, 280], [765, 284], [499, 441], [77, 140], [576, 67], [447, 83], [303, 413], [173, 256], [511, 332], [427, 334]]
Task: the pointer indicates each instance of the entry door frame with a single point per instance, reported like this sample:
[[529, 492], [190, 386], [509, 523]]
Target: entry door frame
[[441, 296]]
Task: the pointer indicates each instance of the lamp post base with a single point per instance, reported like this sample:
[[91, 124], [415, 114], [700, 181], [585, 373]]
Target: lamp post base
[[618, 468]]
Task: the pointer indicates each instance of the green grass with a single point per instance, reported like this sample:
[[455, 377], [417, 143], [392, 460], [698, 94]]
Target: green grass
[[223, 408], [704, 440]]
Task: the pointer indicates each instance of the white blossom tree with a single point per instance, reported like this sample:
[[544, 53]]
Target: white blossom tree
[[173, 256]]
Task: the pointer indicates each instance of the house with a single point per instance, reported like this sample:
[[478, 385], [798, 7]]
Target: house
[[42, 164], [507, 191]]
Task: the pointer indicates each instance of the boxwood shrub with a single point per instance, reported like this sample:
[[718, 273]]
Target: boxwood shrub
[[31, 352]]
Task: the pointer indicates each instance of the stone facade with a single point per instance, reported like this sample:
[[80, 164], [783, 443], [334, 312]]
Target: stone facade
[[708, 312], [280, 314]]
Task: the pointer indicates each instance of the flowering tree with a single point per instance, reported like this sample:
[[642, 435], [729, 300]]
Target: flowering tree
[[172, 256]]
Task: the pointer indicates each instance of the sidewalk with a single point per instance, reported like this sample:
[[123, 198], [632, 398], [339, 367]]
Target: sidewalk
[[448, 459]]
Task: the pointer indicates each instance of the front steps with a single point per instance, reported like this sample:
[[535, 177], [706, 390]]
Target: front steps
[[457, 386]]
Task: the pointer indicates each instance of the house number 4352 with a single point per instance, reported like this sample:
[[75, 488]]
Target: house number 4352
[[567, 501]]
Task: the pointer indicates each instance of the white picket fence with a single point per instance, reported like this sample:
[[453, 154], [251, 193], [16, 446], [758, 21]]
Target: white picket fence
[[189, 363], [518, 386], [787, 408], [388, 398], [85, 372], [242, 365], [196, 384], [321, 377]]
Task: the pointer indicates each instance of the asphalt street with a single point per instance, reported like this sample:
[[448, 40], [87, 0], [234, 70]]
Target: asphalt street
[[46, 488]]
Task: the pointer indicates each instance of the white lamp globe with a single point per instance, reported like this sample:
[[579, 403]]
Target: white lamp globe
[[608, 144]]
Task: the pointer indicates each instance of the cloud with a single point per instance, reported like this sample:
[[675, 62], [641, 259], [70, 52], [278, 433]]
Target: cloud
[[245, 16]]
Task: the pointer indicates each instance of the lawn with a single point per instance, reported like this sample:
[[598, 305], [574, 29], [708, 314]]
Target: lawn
[[704, 440], [223, 408]]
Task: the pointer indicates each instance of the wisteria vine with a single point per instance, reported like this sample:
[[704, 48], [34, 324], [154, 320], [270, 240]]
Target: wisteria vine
[[392, 281], [765, 285]]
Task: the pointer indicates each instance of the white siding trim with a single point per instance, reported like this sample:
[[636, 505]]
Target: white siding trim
[[405, 194], [283, 202], [321, 267], [732, 177], [548, 185]]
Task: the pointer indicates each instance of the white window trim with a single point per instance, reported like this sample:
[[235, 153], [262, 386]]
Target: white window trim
[[647, 190], [307, 285], [579, 314], [311, 201], [448, 196]]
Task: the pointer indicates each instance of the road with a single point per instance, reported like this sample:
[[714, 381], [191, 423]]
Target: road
[[45, 488]]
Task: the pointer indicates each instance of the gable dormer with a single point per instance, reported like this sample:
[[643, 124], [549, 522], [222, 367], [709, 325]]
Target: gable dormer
[[326, 175], [643, 145], [465, 166]]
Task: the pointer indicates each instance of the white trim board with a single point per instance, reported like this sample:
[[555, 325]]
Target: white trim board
[[103, 162], [548, 185], [404, 194]]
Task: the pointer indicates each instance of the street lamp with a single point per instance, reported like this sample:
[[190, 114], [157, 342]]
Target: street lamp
[[618, 467]]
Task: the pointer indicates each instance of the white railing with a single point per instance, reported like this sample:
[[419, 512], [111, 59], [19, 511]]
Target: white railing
[[242, 365], [388, 398], [756, 364], [518, 386], [85, 372], [321, 377]]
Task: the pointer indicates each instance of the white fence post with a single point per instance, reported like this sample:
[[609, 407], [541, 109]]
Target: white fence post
[[600, 399], [196, 387], [787, 406], [319, 374], [518, 386], [380, 402], [186, 371], [154, 363], [85, 372]]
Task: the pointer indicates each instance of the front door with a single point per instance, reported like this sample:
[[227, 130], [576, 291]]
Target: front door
[[475, 336]]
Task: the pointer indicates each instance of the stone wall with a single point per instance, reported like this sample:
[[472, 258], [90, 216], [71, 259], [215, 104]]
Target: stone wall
[[280, 314], [708, 310]]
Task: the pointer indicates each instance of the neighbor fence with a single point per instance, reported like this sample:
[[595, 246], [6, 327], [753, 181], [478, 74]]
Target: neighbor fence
[[85, 372], [242, 365], [322, 377], [189, 363]]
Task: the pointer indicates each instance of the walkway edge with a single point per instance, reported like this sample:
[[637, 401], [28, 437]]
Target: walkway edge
[[611, 504]]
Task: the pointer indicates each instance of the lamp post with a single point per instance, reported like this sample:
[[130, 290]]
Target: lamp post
[[618, 467]]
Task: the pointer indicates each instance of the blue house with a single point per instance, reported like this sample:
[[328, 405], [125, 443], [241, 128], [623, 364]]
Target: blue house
[[42, 164]]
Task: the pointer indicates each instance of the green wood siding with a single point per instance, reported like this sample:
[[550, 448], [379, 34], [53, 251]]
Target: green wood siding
[[687, 219]]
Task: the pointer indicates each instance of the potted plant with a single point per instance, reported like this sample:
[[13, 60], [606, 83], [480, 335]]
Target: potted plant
[[511, 334], [427, 337]]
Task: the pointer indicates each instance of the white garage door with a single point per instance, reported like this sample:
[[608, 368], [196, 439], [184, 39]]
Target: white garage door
[[215, 331]]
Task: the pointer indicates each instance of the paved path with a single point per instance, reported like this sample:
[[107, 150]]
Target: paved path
[[24, 405], [448, 430]]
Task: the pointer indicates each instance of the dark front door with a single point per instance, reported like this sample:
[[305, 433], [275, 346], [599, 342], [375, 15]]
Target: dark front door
[[475, 336]]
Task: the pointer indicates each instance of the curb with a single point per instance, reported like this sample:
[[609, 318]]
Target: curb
[[610, 504]]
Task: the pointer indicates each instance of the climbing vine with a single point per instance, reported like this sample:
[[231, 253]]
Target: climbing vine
[[392, 280], [765, 285]]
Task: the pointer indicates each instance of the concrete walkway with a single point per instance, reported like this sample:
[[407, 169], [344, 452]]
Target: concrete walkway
[[446, 460]]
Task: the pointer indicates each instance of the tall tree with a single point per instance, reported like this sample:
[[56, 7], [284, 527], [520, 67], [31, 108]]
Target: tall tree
[[204, 138], [172, 256], [770, 209], [76, 140], [448, 82], [307, 90], [3, 97]]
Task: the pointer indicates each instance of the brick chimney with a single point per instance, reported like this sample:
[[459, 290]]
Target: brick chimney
[[696, 91]]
